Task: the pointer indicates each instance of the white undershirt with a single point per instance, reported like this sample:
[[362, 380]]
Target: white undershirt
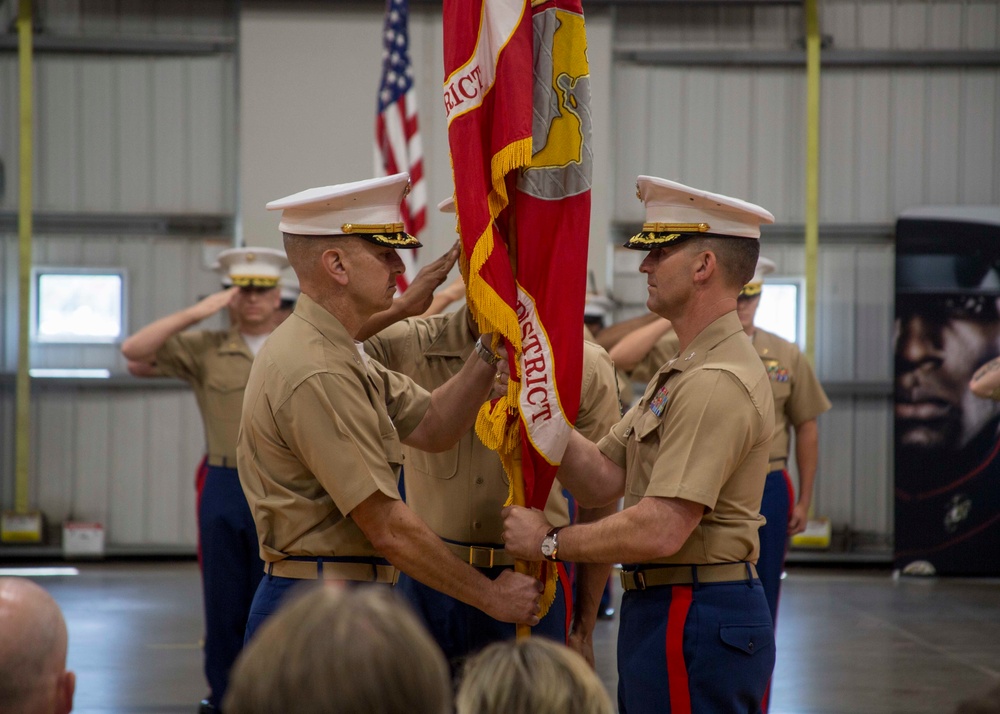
[[254, 342], [361, 351]]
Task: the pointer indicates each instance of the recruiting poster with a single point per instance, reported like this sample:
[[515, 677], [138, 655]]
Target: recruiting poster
[[947, 325]]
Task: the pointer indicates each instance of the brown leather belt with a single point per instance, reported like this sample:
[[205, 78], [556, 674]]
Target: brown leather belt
[[223, 461], [776, 464], [480, 556], [313, 570], [648, 576]]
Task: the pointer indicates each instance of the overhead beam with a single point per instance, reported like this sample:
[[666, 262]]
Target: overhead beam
[[114, 45], [855, 59], [194, 224]]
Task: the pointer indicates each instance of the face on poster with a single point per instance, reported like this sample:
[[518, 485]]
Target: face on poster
[[941, 340]]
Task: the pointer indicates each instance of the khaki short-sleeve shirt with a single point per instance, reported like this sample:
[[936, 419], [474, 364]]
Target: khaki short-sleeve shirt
[[459, 493], [216, 363], [798, 396], [702, 432], [320, 433]]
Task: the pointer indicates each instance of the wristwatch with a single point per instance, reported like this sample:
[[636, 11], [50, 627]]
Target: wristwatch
[[550, 544], [489, 356]]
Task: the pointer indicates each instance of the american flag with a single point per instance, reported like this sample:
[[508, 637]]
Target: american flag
[[397, 138]]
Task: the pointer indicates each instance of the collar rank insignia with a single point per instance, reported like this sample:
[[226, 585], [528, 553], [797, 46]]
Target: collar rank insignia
[[659, 401]]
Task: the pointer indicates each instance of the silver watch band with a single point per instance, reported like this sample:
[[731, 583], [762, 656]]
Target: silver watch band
[[488, 356]]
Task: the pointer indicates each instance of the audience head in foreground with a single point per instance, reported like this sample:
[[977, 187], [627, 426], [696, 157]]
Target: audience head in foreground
[[532, 676], [340, 650], [33, 645]]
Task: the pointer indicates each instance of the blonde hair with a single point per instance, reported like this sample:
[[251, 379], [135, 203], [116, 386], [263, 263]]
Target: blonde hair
[[533, 676], [341, 650]]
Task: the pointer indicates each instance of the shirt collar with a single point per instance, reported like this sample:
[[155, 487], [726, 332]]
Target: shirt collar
[[234, 344], [329, 326], [721, 329]]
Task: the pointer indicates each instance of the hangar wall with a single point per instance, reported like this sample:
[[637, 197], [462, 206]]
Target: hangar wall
[[161, 128]]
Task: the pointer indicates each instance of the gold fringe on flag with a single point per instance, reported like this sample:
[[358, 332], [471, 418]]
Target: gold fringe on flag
[[495, 426]]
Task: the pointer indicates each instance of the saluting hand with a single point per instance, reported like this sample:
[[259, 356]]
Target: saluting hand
[[523, 532], [206, 307], [516, 598], [419, 294]]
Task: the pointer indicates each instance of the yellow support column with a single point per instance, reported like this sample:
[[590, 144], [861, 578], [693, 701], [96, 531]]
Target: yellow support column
[[22, 525], [812, 170], [817, 533]]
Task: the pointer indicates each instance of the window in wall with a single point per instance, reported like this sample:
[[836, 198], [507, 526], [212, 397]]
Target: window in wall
[[78, 305], [780, 309]]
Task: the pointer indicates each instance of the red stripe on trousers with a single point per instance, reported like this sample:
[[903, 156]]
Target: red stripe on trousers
[[677, 675], [567, 587]]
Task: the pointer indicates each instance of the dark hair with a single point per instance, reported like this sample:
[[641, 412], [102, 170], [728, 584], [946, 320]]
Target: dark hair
[[737, 257]]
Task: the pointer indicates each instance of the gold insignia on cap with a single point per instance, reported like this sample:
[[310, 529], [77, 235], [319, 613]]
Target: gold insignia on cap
[[372, 228], [255, 281], [676, 227], [396, 240], [652, 240], [251, 257], [406, 191], [752, 289], [637, 194]]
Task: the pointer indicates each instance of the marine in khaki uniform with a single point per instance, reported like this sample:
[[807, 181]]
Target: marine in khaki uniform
[[690, 459], [323, 426], [798, 401], [216, 363], [459, 492]]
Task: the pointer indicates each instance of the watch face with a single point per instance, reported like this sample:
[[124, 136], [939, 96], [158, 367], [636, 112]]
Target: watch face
[[548, 546]]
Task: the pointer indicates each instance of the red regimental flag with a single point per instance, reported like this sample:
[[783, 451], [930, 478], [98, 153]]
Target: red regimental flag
[[517, 97]]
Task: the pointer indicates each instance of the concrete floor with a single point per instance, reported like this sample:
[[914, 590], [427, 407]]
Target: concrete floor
[[849, 641]]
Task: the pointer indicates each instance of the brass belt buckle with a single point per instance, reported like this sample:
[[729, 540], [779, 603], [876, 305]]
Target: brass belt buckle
[[633, 578], [476, 549]]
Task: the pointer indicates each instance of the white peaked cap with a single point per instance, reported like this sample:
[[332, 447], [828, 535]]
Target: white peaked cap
[[675, 211], [369, 209], [256, 267]]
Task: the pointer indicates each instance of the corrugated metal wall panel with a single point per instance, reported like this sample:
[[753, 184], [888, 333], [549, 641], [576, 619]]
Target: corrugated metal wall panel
[[980, 138], [148, 135], [835, 338], [163, 492], [170, 129], [91, 463], [871, 185], [7, 444], [853, 24], [123, 456], [103, 18], [873, 313], [57, 143], [871, 482], [208, 149], [834, 490], [890, 139], [129, 473]]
